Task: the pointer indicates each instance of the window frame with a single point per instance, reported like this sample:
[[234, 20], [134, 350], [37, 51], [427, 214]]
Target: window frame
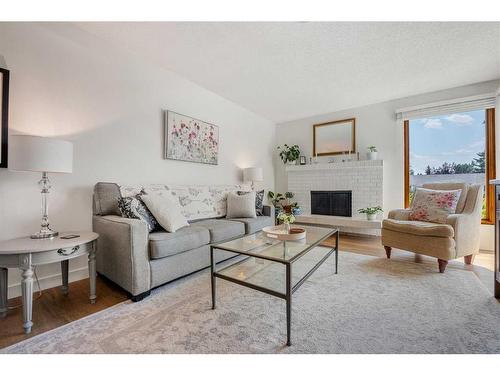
[[490, 165]]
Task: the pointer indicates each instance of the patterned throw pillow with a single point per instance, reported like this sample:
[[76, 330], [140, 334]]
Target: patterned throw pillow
[[434, 205], [134, 208], [259, 201]]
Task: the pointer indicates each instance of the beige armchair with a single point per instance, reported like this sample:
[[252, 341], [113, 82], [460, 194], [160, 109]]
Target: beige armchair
[[459, 237]]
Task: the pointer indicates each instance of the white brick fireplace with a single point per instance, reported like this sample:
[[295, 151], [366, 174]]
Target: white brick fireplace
[[364, 178]]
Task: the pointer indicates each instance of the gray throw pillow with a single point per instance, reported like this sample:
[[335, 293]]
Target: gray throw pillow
[[134, 208], [241, 206], [259, 201]]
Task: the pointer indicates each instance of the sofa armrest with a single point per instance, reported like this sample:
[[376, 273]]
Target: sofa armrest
[[122, 252], [400, 214], [268, 211], [467, 232]]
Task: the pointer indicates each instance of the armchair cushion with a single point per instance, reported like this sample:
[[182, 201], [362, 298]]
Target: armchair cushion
[[452, 186], [419, 228], [434, 205]]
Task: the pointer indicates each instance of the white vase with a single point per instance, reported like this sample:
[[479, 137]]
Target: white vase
[[290, 162], [371, 217], [287, 227], [372, 155]]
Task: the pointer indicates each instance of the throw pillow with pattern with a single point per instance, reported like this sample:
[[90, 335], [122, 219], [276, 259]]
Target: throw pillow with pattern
[[259, 201], [134, 208], [434, 205]]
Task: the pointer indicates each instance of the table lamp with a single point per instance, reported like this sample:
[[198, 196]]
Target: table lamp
[[253, 174], [40, 154]]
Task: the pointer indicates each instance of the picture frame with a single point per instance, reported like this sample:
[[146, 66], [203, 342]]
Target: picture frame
[[190, 139], [4, 116], [334, 137], [302, 160]]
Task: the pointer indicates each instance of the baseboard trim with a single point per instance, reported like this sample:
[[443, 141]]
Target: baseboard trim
[[50, 281]]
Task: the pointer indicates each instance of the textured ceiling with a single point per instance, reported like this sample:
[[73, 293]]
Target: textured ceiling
[[286, 71]]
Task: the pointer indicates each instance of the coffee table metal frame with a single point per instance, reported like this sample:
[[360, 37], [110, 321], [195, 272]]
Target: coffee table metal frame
[[290, 289]]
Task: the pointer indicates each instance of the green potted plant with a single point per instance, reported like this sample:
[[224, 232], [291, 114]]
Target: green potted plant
[[372, 153], [275, 198], [289, 154], [371, 212], [286, 219]]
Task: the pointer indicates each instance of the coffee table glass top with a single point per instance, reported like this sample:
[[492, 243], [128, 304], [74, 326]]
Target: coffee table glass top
[[260, 245]]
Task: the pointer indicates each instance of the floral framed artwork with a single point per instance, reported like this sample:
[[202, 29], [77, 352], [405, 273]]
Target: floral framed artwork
[[190, 139], [4, 116]]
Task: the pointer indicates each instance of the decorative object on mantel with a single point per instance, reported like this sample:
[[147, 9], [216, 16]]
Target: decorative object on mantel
[[372, 153], [302, 160], [282, 233], [39, 154], [286, 219], [190, 139], [289, 154], [4, 116], [371, 212], [334, 137], [253, 175]]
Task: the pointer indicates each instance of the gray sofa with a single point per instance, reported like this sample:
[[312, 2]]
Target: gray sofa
[[138, 261]]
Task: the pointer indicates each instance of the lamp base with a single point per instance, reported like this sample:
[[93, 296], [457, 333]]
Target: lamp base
[[44, 234]]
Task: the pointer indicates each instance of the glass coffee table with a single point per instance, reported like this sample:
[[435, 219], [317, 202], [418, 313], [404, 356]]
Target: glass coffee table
[[275, 267]]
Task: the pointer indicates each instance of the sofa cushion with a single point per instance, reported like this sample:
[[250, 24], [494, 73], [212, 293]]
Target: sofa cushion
[[241, 205], [220, 229], [164, 244], [253, 225], [134, 208], [106, 195], [419, 228]]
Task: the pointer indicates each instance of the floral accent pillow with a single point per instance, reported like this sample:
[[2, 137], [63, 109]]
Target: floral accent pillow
[[434, 205], [134, 208]]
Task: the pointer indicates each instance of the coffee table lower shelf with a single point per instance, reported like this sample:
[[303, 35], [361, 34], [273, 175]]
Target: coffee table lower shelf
[[233, 273]]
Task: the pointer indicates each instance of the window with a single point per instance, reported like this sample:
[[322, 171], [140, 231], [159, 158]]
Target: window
[[451, 147]]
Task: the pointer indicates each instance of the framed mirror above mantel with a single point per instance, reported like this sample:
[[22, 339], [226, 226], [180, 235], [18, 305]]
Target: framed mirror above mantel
[[334, 137]]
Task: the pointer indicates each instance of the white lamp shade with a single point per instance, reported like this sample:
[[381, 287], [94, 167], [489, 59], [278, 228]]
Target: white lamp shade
[[40, 154], [252, 174]]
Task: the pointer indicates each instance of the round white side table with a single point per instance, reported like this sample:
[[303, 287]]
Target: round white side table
[[25, 253]]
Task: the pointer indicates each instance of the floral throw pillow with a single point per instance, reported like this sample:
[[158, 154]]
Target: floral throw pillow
[[434, 205], [259, 200], [134, 208]]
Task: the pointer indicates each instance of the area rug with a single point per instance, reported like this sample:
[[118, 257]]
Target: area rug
[[372, 305]]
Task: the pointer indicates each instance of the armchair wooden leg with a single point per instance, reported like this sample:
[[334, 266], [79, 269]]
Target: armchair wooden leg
[[442, 265], [468, 259], [388, 251]]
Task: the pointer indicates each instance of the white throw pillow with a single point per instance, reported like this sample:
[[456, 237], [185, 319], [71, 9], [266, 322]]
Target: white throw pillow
[[239, 206], [166, 210]]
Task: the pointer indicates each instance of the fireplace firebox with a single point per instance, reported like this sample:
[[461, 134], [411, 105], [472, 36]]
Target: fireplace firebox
[[333, 203]]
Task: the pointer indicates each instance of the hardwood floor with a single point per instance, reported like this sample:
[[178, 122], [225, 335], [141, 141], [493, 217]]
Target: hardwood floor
[[53, 309]]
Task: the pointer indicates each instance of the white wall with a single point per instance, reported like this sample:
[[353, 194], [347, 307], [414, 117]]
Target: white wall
[[376, 125], [66, 83]]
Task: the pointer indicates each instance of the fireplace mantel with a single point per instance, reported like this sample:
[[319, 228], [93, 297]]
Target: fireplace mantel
[[336, 165]]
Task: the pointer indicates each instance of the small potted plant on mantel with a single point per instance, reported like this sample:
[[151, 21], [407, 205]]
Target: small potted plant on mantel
[[371, 212], [372, 153], [289, 154]]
